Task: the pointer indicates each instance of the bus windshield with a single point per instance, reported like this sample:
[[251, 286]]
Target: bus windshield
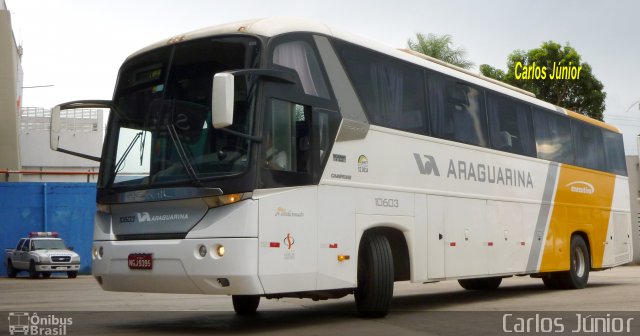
[[161, 130]]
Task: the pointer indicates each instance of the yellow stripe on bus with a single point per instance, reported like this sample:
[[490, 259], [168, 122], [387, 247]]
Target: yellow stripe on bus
[[582, 205], [592, 121]]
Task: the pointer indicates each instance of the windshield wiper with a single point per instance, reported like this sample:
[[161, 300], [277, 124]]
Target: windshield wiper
[[123, 157], [182, 154]]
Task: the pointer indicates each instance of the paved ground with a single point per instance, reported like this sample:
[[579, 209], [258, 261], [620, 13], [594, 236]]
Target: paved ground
[[439, 309]]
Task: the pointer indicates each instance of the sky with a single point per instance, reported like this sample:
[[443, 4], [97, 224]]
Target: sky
[[78, 46]]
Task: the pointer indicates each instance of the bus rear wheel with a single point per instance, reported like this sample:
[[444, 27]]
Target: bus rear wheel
[[580, 265], [375, 276], [481, 283], [245, 304]]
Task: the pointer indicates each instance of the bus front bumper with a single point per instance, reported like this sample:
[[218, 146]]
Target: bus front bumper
[[178, 267]]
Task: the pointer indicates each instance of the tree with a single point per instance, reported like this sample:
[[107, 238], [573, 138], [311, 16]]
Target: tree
[[440, 47], [535, 71]]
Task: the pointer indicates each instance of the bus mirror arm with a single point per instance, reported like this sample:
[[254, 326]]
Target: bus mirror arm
[[223, 90]]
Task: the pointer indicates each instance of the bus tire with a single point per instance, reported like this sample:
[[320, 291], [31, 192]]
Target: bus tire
[[11, 272], [72, 274], [481, 283], [550, 280], [245, 304], [579, 266], [375, 276], [32, 270]]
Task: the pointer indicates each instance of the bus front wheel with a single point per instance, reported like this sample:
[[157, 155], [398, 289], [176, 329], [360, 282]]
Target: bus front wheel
[[375, 276], [245, 304]]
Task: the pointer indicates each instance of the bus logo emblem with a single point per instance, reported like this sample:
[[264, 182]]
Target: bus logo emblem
[[363, 164], [581, 187], [427, 167], [289, 241]]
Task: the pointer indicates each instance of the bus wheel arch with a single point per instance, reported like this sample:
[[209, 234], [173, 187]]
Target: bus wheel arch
[[580, 264]]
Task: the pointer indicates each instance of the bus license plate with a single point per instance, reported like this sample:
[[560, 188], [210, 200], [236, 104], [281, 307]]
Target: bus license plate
[[140, 261]]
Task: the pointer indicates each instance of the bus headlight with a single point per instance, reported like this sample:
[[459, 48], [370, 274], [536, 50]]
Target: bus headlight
[[220, 250], [216, 201]]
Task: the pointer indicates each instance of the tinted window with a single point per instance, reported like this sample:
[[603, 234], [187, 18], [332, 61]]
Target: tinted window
[[614, 152], [299, 56], [589, 146], [287, 138], [553, 136], [392, 92], [510, 125], [457, 111]]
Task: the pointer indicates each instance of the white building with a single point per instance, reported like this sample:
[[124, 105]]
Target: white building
[[82, 131], [24, 132], [10, 97]]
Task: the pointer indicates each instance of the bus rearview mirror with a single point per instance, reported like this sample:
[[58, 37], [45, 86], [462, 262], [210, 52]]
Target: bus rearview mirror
[[55, 128], [222, 100]]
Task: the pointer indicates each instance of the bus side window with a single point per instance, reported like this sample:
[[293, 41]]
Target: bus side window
[[589, 146], [287, 139], [299, 56], [457, 111], [510, 125], [553, 136], [392, 93], [614, 153]]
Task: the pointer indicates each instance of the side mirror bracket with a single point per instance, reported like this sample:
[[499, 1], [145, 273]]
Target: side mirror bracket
[[223, 92]]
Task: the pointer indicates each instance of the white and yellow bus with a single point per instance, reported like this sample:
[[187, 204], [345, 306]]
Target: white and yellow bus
[[281, 158]]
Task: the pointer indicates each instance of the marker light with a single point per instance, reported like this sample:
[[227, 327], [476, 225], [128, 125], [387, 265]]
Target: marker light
[[216, 201], [202, 251], [103, 208], [342, 257], [220, 250]]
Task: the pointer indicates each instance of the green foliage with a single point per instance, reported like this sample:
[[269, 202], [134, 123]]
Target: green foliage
[[584, 94], [440, 47]]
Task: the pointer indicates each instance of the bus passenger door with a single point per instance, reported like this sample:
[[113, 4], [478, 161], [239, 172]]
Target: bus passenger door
[[287, 238]]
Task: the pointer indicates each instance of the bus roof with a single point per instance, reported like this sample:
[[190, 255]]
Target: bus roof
[[274, 26]]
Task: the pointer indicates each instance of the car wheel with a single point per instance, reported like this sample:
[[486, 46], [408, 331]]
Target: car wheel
[[11, 272], [72, 274], [33, 274]]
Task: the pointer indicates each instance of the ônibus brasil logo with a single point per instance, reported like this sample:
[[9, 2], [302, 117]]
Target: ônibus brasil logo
[[23, 323]]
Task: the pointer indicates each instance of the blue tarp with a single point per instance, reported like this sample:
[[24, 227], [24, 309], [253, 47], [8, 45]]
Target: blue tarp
[[66, 208]]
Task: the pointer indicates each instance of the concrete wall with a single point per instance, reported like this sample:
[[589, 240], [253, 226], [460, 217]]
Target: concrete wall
[[10, 93], [67, 208], [634, 195]]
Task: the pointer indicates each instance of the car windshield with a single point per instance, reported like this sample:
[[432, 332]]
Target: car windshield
[[161, 131], [48, 244]]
